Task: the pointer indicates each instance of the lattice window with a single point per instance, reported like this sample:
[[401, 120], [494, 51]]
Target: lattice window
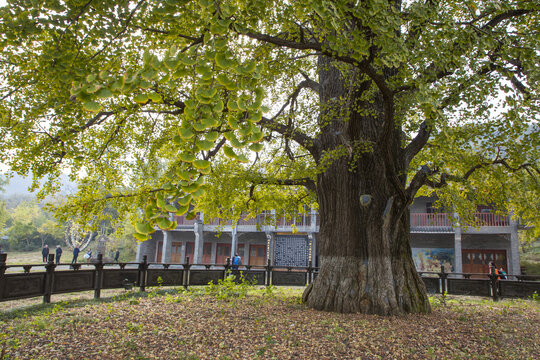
[[291, 250]]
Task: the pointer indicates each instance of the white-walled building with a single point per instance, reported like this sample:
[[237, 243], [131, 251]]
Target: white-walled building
[[436, 239]]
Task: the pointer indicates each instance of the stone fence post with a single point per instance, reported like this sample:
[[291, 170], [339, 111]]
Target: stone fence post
[[99, 276], [142, 273], [49, 278]]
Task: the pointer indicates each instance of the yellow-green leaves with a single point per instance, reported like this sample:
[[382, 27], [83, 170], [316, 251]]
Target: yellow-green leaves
[[182, 209], [256, 147], [184, 201], [104, 93], [205, 145], [229, 152], [92, 106], [186, 157], [140, 98], [144, 228], [155, 97], [185, 133], [165, 224], [201, 164]]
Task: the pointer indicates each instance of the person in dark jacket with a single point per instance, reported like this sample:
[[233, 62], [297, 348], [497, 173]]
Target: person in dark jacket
[[76, 252], [237, 260], [58, 253], [116, 255], [45, 253]]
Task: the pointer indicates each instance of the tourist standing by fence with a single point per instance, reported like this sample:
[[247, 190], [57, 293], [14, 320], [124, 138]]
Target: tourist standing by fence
[[76, 251], [45, 253], [58, 253]]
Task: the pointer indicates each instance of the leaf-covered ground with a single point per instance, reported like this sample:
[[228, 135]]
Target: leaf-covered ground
[[271, 325]]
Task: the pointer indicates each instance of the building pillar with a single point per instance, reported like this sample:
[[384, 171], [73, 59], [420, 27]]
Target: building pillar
[[458, 259], [166, 248], [313, 239], [313, 220], [199, 242], [270, 239], [234, 241], [140, 251], [514, 266], [183, 253], [245, 259], [148, 248], [214, 253]]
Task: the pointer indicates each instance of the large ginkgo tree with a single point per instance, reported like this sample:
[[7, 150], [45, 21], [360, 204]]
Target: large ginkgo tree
[[240, 106]]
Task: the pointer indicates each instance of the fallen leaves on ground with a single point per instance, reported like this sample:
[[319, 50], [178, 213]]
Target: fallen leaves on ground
[[196, 326]]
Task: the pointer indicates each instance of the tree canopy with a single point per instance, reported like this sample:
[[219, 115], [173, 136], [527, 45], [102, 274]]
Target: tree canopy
[[228, 106]]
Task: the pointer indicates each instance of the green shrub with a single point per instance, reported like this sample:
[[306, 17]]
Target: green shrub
[[229, 287]]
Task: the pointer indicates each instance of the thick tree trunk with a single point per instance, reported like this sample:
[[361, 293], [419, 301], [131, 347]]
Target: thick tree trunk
[[365, 255]]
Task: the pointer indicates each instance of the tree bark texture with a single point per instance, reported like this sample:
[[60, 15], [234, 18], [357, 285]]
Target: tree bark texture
[[366, 263]]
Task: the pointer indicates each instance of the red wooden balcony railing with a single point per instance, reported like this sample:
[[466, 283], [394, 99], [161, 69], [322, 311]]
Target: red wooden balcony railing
[[419, 221], [490, 219], [181, 220], [425, 220]]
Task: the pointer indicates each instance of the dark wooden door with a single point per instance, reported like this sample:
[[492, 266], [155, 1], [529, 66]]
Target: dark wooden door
[[223, 251], [207, 253], [176, 252], [159, 251], [477, 261], [257, 255], [190, 246]]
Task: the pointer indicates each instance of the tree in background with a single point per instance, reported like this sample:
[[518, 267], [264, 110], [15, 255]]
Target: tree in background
[[232, 106], [4, 216], [122, 239], [3, 211], [76, 236], [29, 227]]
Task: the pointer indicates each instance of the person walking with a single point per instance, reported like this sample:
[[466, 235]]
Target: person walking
[[58, 254], [45, 253], [116, 255], [88, 256], [76, 252], [236, 261]]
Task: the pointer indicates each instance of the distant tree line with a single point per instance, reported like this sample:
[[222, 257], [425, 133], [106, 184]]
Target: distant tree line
[[28, 227]]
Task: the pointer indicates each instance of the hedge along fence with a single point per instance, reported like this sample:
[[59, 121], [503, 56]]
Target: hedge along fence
[[67, 278]]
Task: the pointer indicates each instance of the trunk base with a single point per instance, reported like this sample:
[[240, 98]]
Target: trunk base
[[353, 285]]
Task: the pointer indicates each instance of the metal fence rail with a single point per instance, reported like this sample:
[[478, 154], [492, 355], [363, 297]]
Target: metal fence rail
[[491, 285], [64, 278]]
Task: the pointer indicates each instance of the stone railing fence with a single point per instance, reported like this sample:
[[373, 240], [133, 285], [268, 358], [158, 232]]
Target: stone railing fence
[[45, 280]]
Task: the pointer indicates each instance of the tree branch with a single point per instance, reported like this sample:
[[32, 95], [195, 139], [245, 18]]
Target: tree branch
[[363, 65], [434, 73], [418, 142], [504, 16], [215, 150], [302, 139], [128, 20], [165, 32], [421, 176], [307, 182], [308, 83]]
